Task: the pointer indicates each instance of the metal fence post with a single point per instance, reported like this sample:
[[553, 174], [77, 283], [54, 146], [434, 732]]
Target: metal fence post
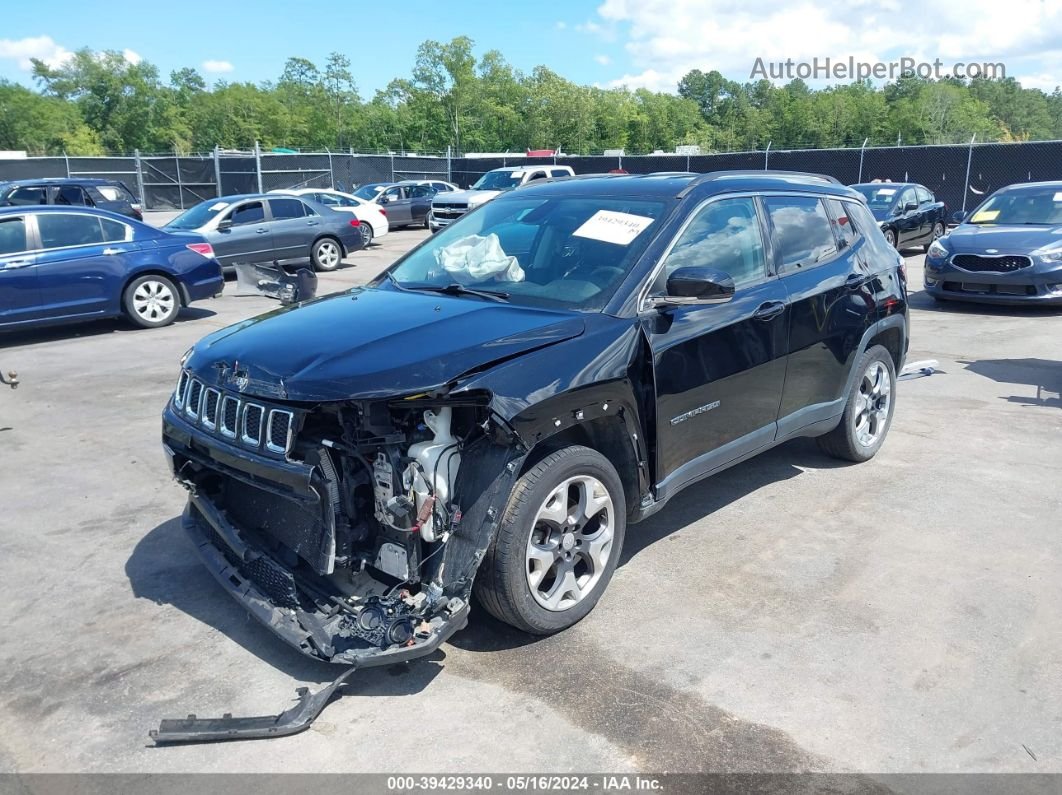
[[449, 165], [66, 159], [177, 168], [619, 161], [392, 166], [969, 162], [140, 179], [331, 174], [767, 155], [687, 161], [258, 164], [862, 149], [217, 169]]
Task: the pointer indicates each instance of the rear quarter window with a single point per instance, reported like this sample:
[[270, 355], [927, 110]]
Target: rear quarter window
[[801, 230], [59, 230], [12, 235]]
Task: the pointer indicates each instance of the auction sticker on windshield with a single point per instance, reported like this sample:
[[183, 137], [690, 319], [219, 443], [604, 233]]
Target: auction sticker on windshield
[[609, 226]]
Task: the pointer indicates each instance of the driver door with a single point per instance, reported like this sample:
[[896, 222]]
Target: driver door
[[396, 205], [719, 368], [248, 239]]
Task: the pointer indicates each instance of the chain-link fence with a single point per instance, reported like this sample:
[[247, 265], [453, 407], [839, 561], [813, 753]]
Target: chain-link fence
[[960, 175]]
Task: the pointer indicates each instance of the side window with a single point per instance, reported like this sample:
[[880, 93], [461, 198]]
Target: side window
[[846, 232], [419, 191], [558, 172], [284, 209], [328, 200], [250, 213], [12, 235], [907, 197], [72, 195], [59, 230], [27, 195], [392, 194], [801, 231], [440, 187], [879, 247], [924, 196], [724, 235], [113, 231], [536, 175]]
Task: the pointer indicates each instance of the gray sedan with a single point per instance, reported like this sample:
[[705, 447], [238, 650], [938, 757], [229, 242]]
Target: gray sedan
[[284, 229]]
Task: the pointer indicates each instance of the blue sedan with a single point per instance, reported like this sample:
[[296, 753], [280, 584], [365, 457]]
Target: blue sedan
[[61, 264], [1007, 251]]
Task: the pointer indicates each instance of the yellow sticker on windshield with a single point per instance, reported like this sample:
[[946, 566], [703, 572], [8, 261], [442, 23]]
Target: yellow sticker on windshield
[[984, 215]]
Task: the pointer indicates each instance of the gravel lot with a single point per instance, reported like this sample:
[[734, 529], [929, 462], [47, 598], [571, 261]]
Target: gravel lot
[[790, 614]]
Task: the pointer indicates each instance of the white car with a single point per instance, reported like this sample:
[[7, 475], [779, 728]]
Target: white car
[[372, 216]]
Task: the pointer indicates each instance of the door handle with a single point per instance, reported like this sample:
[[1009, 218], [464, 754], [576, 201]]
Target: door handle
[[312, 223], [855, 281], [112, 251], [12, 264], [769, 310], [260, 231]]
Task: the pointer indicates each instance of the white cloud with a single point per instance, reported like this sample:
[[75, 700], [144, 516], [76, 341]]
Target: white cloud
[[561, 25], [667, 38], [132, 56], [42, 48], [604, 60], [217, 67]]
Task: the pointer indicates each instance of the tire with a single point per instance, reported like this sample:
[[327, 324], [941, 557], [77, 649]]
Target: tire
[[890, 237], [938, 231], [427, 220], [151, 301], [852, 440], [326, 254], [366, 234], [536, 541]]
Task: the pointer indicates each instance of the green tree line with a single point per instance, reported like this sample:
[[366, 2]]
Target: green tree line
[[100, 103]]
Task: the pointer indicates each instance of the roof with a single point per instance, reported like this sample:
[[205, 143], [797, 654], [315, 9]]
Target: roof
[[1017, 186], [677, 184], [22, 209], [62, 181], [886, 185]]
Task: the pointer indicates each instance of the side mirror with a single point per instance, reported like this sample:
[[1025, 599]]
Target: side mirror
[[910, 206], [696, 285], [225, 225], [959, 216]]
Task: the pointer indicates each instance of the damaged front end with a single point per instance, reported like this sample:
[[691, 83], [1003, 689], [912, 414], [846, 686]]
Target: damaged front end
[[352, 530]]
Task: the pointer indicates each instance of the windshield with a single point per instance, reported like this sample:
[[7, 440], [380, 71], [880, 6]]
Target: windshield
[[879, 197], [564, 253], [198, 215], [498, 180], [1042, 206], [369, 192]]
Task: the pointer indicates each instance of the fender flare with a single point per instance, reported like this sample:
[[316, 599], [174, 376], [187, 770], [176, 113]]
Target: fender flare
[[892, 321]]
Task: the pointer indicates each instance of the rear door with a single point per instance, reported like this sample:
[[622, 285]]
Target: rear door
[[909, 222], [397, 206], [292, 229], [249, 239], [719, 368], [27, 195], [82, 263], [71, 196], [822, 262], [114, 198], [19, 294], [420, 197]]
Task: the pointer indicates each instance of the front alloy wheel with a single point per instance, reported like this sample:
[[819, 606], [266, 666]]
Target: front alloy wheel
[[570, 543], [557, 544]]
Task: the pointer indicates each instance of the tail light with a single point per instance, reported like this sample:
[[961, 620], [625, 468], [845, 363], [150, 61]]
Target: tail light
[[383, 212], [203, 249], [355, 222]]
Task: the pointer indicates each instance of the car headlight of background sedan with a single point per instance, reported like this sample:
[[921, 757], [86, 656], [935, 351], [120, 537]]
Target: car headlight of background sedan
[[936, 251], [1051, 255]]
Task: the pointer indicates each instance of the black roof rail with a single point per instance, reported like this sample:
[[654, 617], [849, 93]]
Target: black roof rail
[[753, 172]]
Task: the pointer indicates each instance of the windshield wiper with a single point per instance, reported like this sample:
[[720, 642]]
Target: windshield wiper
[[458, 289]]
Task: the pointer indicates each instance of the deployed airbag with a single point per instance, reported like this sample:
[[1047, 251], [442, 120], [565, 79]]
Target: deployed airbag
[[480, 258]]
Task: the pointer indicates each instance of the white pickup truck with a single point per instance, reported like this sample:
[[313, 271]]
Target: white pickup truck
[[448, 207]]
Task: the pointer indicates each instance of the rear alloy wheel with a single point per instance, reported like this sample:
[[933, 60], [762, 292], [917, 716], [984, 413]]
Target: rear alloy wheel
[[326, 254], [868, 411], [151, 301], [938, 232], [890, 237], [558, 543], [366, 233]]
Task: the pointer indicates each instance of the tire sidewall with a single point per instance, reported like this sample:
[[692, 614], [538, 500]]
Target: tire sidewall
[[518, 521], [317, 265], [890, 233], [130, 310]]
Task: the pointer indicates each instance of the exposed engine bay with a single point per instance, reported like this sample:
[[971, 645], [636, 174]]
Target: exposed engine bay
[[358, 533]]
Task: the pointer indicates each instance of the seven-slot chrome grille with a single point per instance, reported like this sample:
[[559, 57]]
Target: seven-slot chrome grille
[[248, 422]]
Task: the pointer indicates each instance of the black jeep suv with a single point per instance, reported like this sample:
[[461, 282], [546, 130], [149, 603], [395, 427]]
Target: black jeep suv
[[494, 410]]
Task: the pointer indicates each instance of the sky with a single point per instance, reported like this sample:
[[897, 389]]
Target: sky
[[637, 43]]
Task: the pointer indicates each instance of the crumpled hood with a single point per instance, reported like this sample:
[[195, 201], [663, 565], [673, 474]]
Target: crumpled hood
[[372, 343], [465, 196], [977, 238]]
